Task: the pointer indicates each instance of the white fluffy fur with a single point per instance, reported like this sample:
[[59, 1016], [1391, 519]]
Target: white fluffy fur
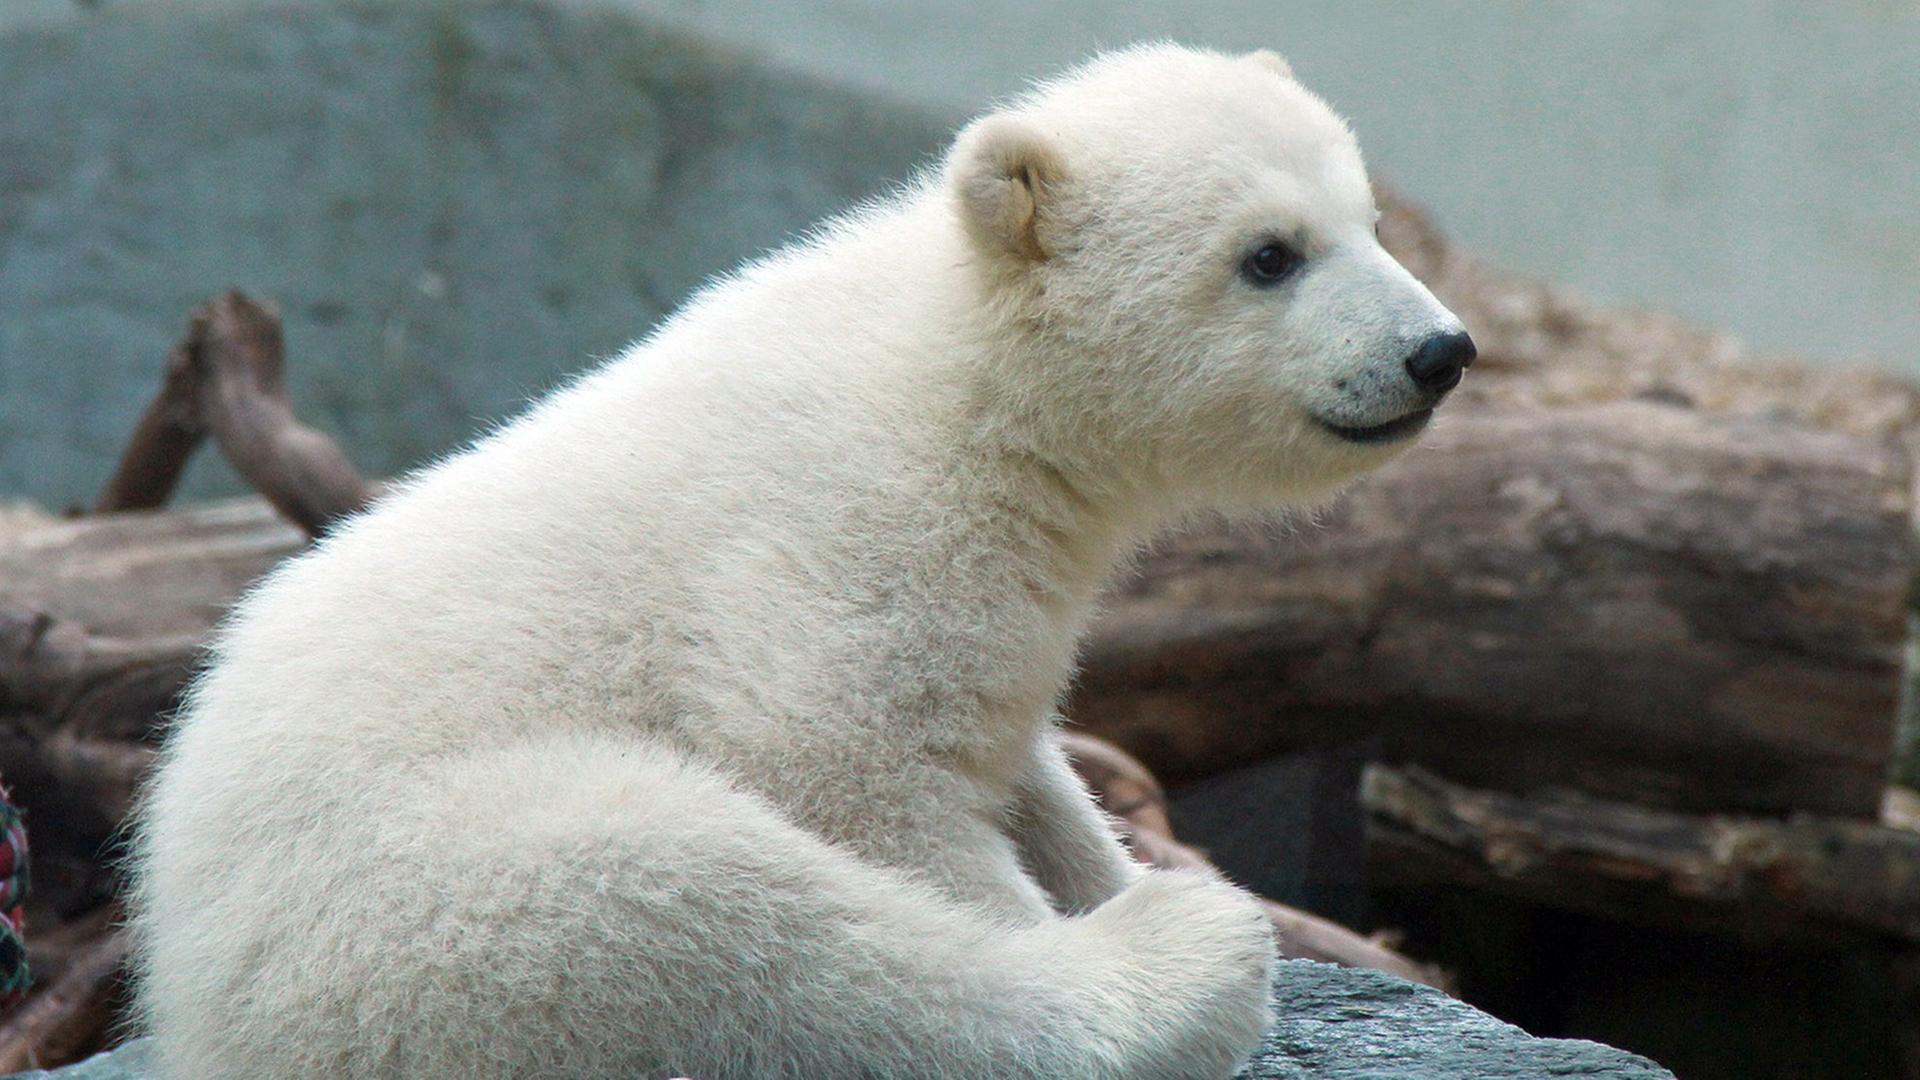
[[701, 719]]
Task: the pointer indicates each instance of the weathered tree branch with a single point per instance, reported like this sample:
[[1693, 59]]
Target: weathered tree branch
[[1655, 604], [1799, 878], [164, 438], [227, 378]]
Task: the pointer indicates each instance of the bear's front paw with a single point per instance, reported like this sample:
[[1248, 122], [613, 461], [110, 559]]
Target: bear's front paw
[[1202, 953]]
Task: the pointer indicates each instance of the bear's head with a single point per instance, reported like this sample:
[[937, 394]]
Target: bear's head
[[1184, 243]]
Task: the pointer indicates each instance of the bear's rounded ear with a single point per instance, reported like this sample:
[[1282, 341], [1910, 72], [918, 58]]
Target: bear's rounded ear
[[1272, 61], [1001, 170]]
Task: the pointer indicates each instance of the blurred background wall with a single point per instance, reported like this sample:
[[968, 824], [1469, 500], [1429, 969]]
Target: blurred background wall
[[458, 201], [1748, 164]]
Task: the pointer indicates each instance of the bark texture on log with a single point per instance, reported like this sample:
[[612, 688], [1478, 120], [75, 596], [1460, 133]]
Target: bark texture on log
[[1643, 601], [1801, 878], [101, 620]]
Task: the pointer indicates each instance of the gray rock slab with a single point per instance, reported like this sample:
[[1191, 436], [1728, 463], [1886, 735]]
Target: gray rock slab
[[457, 203], [1340, 1024], [1334, 1024]]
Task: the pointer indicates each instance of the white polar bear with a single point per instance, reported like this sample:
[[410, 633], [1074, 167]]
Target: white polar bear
[[701, 721]]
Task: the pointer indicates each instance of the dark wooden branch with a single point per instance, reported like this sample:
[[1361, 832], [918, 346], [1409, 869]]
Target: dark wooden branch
[[299, 470], [1130, 793], [1801, 878], [164, 438], [227, 378]]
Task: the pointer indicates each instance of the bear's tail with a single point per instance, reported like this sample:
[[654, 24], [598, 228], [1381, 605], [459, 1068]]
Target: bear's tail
[[595, 907]]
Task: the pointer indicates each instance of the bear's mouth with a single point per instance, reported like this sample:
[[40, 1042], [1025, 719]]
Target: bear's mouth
[[1390, 431]]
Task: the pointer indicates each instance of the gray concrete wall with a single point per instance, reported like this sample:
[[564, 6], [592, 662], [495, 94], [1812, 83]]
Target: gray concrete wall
[[1749, 164], [459, 200], [457, 203]]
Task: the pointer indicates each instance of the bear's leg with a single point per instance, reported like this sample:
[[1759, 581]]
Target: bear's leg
[[594, 907], [1063, 836]]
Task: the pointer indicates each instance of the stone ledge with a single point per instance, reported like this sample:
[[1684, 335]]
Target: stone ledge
[[1335, 1024], [1342, 1024]]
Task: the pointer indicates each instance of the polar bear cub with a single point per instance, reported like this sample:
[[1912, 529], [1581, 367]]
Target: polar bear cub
[[701, 721]]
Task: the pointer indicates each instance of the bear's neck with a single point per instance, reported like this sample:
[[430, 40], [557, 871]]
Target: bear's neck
[[942, 363]]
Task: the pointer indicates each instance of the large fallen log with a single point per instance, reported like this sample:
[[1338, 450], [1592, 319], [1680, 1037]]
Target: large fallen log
[[1651, 603], [101, 620], [1644, 601], [1802, 878]]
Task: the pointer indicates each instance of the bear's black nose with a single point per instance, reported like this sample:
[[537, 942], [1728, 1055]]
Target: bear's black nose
[[1436, 365]]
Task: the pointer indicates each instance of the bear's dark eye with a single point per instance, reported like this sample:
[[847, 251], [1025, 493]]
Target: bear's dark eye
[[1270, 264]]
